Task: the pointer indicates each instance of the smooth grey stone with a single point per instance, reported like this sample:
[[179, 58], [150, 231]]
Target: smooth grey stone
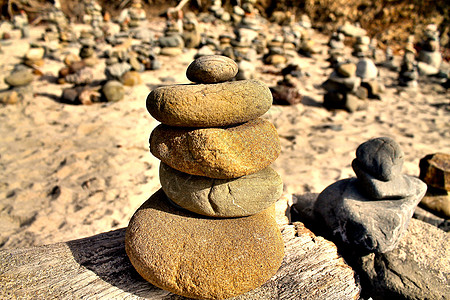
[[113, 91], [367, 225], [116, 71], [175, 41], [19, 78], [381, 157], [432, 58], [366, 69], [397, 188], [238, 197]]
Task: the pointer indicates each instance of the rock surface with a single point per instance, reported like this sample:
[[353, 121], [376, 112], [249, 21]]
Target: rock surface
[[380, 157], [221, 153], [374, 226], [199, 257], [212, 69], [419, 268], [399, 187], [435, 170], [243, 196], [209, 105]]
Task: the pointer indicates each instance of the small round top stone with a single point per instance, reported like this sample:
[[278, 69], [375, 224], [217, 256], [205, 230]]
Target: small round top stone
[[212, 69]]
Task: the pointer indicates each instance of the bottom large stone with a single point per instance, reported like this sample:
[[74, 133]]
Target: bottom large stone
[[201, 257]]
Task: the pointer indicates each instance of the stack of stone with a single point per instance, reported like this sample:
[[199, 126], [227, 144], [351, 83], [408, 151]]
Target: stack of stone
[[191, 31], [368, 72], [276, 52], [435, 172], [343, 89], [408, 74], [172, 42], [136, 14], [92, 13], [361, 48], [430, 58], [371, 212], [337, 49], [210, 232]]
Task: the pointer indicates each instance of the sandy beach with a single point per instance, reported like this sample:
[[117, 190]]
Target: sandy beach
[[68, 171]]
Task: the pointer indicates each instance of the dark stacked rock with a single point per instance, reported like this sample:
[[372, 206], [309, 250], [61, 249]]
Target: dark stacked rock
[[371, 212], [210, 232], [343, 89]]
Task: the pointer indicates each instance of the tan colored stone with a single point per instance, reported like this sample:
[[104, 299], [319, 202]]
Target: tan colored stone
[[435, 170], [237, 197], [131, 78], [221, 153], [201, 257], [171, 51], [209, 105], [212, 69], [437, 201], [347, 70]]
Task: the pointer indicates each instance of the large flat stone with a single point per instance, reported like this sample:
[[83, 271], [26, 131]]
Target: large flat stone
[[201, 257]]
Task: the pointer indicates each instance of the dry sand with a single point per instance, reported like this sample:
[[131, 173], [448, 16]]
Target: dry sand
[[69, 172]]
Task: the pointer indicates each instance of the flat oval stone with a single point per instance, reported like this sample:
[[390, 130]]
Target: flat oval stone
[[19, 78], [212, 69], [200, 257], [380, 157], [222, 153], [243, 196], [209, 105]]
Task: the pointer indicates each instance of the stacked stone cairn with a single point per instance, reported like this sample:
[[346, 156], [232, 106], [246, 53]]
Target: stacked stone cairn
[[361, 48], [408, 73], [336, 51], [210, 232], [343, 89], [430, 58], [370, 213]]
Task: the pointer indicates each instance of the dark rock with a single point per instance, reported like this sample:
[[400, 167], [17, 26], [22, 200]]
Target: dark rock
[[380, 157], [435, 170], [399, 187], [417, 269], [429, 217], [373, 226]]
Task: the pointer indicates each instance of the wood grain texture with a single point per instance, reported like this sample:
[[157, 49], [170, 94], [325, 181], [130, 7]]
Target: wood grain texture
[[98, 267]]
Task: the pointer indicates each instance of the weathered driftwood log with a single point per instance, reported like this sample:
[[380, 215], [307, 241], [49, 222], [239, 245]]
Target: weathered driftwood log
[[98, 267]]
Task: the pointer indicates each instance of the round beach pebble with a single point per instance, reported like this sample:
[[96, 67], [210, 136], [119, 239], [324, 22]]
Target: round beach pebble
[[209, 105], [221, 153], [380, 157], [212, 69], [19, 78], [243, 196], [201, 257]]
